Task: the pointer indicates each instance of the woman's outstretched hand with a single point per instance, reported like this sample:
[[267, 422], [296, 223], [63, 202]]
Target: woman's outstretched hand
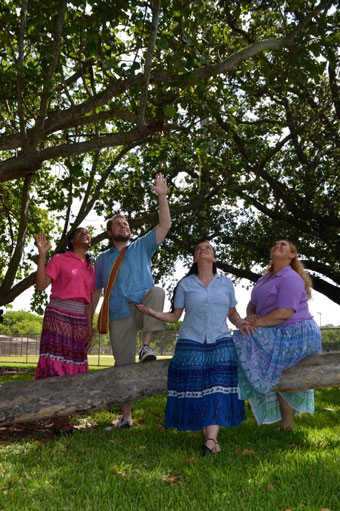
[[42, 243], [146, 310]]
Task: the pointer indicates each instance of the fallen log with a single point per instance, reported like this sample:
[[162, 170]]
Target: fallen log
[[314, 372], [43, 399]]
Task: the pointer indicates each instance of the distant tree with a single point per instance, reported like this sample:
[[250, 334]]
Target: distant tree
[[21, 323]]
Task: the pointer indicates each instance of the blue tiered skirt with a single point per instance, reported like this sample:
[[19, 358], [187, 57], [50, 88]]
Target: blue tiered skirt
[[203, 386], [264, 355]]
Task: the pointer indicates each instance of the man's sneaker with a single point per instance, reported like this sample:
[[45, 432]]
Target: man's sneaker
[[146, 354], [122, 424]]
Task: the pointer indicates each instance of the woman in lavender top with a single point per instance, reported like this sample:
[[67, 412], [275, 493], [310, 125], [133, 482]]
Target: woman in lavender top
[[285, 334]]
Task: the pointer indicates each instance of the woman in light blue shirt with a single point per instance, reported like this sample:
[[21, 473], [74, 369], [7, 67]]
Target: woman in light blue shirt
[[202, 380]]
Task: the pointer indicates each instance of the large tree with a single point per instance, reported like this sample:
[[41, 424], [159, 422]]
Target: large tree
[[96, 95]]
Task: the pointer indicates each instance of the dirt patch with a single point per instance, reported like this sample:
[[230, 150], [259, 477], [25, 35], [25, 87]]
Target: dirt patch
[[39, 430]]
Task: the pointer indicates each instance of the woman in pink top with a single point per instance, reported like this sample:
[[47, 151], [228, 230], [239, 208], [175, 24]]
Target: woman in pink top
[[285, 334], [67, 327]]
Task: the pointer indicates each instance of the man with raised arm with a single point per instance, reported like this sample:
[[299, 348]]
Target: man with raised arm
[[134, 284]]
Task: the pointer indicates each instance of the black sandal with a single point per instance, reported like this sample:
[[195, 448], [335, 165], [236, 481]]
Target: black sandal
[[206, 450]]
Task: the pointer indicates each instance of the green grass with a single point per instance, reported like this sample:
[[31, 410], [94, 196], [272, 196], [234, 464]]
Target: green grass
[[105, 360], [150, 468]]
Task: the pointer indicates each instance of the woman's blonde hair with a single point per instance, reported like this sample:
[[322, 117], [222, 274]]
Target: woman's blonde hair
[[298, 267]]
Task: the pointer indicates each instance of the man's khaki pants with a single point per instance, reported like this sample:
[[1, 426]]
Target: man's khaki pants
[[123, 332]]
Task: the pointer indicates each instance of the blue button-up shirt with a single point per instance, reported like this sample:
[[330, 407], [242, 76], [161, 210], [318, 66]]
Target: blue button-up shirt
[[206, 308], [134, 277]]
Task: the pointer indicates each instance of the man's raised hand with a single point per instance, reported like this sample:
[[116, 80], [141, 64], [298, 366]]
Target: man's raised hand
[[160, 186]]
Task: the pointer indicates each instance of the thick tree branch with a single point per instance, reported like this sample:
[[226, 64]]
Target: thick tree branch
[[238, 272], [68, 206], [58, 30], [16, 257], [330, 290], [333, 84], [73, 119], [269, 212], [323, 5], [10, 295], [294, 130], [16, 167], [118, 87], [235, 60], [87, 205], [156, 4], [8, 213], [23, 165], [278, 188], [21, 76], [323, 269]]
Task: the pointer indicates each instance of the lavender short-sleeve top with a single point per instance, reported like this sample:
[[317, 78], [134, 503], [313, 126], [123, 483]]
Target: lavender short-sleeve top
[[286, 290]]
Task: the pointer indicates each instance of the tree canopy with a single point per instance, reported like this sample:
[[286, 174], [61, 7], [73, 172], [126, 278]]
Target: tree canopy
[[237, 103]]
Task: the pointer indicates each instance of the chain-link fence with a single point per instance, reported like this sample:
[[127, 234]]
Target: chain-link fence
[[24, 349]]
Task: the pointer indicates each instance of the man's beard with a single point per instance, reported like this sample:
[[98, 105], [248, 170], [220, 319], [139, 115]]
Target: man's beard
[[121, 237]]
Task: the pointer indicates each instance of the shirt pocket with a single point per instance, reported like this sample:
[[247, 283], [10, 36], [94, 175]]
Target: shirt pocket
[[270, 299]]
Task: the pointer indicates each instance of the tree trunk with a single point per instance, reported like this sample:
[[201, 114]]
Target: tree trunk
[[42, 399]]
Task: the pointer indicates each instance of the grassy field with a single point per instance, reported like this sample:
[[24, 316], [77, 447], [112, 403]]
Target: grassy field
[[33, 359], [105, 360], [150, 468]]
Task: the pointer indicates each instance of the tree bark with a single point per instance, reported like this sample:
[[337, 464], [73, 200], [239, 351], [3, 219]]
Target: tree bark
[[314, 372], [53, 397]]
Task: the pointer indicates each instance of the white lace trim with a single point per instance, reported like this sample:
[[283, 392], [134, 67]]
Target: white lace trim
[[60, 358], [202, 393]]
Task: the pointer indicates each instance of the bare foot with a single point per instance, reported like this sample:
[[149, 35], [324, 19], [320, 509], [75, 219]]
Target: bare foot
[[284, 428]]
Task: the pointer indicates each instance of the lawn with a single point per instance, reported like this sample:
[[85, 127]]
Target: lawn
[[104, 360], [93, 360], [150, 468]]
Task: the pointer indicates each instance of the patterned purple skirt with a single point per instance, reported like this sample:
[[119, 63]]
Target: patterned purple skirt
[[264, 355], [63, 339]]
